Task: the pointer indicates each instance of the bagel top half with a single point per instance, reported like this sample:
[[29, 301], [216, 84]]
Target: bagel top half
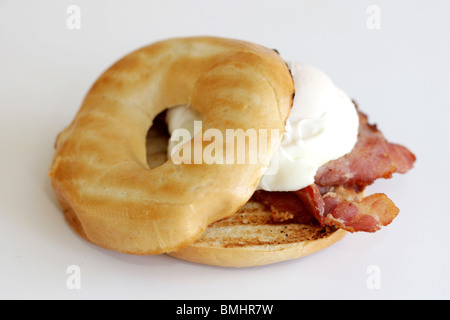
[[100, 175]]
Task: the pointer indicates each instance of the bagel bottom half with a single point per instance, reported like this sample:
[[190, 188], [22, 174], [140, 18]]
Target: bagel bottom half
[[250, 237]]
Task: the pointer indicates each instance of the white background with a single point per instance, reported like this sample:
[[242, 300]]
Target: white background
[[399, 74]]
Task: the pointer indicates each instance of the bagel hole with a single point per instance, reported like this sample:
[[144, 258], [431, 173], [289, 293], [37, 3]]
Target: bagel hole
[[157, 141]]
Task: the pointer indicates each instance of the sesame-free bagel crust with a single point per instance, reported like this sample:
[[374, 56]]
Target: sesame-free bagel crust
[[100, 174]]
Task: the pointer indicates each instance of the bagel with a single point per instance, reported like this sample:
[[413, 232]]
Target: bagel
[[100, 173], [250, 238]]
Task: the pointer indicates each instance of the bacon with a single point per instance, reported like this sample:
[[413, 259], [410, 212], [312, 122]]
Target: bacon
[[339, 207], [373, 157], [285, 206], [336, 198], [312, 200], [348, 210]]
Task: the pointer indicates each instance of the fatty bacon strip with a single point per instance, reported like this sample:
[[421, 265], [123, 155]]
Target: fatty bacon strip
[[372, 157], [336, 198]]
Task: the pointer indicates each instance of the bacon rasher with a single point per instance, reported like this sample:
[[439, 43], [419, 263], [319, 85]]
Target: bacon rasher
[[285, 206], [347, 209], [373, 157], [336, 198]]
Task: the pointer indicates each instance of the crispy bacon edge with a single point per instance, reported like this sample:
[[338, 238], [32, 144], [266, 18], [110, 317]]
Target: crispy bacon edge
[[347, 209]]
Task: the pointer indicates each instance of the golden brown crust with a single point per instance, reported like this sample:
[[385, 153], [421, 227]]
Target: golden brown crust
[[100, 174], [251, 238]]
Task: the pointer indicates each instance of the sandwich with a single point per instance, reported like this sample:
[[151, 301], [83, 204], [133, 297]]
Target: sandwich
[[132, 172]]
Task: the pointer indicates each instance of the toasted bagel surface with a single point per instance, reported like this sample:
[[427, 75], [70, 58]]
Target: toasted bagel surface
[[100, 174], [251, 238]]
